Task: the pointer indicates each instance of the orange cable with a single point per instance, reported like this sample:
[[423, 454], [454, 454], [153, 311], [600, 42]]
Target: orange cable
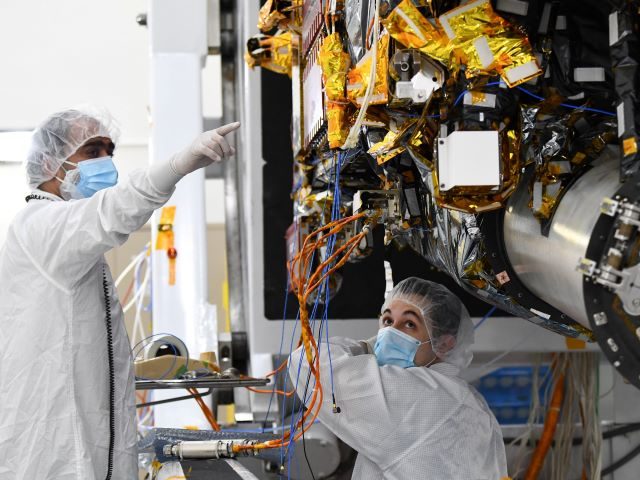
[[302, 262], [205, 409], [549, 430]]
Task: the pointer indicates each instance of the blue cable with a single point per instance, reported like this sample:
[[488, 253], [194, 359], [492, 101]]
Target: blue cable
[[490, 84], [293, 334], [487, 315], [259, 430], [335, 213], [312, 324], [302, 353], [524, 90], [576, 107], [323, 288], [284, 317], [134, 353], [297, 418]]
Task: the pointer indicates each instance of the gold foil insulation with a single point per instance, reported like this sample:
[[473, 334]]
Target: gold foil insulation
[[394, 143], [472, 34], [275, 53], [408, 26], [489, 43], [358, 77], [386, 149], [338, 123], [335, 62], [269, 17], [315, 203]]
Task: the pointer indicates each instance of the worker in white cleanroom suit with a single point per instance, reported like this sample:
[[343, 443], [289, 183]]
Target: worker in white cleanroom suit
[[402, 405], [67, 405]]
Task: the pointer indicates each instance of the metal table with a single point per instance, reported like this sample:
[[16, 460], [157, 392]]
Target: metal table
[[210, 383]]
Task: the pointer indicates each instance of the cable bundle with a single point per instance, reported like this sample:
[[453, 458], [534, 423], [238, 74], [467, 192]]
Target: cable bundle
[[571, 398]]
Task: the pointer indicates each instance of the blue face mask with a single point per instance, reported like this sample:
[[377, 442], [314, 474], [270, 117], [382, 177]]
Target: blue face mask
[[89, 177], [394, 347]]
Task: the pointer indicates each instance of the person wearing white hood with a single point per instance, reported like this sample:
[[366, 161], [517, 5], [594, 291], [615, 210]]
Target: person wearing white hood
[[401, 404], [66, 374]]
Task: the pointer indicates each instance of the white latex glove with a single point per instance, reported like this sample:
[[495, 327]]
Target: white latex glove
[[207, 148]]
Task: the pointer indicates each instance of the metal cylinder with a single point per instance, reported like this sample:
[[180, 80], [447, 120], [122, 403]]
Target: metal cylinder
[[209, 448], [547, 265]]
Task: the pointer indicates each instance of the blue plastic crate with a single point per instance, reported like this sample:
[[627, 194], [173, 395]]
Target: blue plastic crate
[[508, 392]]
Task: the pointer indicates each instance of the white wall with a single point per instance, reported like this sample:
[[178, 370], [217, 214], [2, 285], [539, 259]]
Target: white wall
[[57, 54]]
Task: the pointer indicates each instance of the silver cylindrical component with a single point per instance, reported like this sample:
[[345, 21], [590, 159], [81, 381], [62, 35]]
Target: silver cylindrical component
[[547, 265], [208, 449]]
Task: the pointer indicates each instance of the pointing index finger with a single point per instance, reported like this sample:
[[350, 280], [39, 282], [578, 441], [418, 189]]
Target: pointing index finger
[[228, 128]]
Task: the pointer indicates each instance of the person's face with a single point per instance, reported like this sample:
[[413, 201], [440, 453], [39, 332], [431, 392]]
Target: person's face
[[408, 319], [95, 148]]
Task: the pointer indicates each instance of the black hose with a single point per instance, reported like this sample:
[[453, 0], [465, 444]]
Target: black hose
[[624, 429], [622, 461], [614, 432], [304, 444], [112, 376]]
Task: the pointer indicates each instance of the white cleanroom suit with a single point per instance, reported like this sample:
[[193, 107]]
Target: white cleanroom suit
[[54, 385], [416, 421], [56, 298], [406, 423]]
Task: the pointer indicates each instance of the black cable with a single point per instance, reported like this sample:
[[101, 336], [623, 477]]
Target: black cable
[[175, 399], [622, 461], [304, 449], [304, 395], [304, 444], [627, 428], [35, 197], [614, 432], [112, 376]]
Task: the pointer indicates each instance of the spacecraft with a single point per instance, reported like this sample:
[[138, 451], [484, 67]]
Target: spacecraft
[[497, 139]]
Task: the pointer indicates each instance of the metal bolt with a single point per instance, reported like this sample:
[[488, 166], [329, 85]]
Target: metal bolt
[[141, 19], [600, 318], [636, 302], [616, 363]]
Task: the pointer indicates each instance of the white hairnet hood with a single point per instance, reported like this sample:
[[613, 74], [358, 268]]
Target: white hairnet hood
[[445, 316], [60, 135]]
